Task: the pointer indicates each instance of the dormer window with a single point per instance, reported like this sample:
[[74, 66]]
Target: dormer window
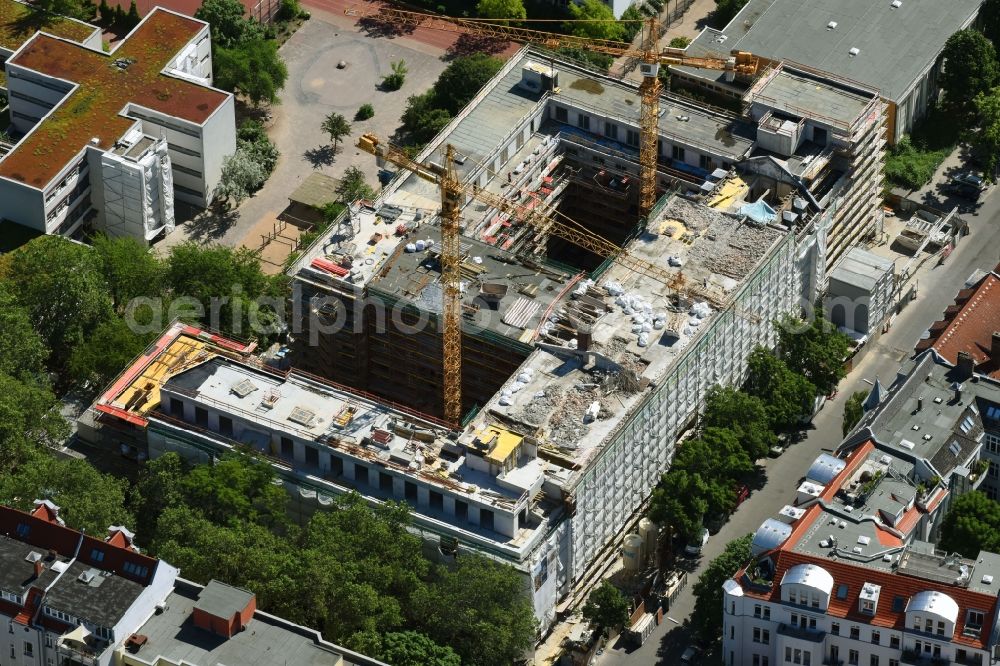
[[867, 607], [973, 622], [868, 598]]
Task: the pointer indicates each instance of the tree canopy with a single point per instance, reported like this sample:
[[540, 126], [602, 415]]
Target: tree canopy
[[353, 186], [744, 414], [501, 9], [422, 120], [816, 351], [970, 69], [706, 619], [972, 524], [229, 25], [253, 69], [22, 350], [336, 127], [596, 21], [853, 410], [787, 396], [462, 79], [606, 608], [987, 134], [725, 11]]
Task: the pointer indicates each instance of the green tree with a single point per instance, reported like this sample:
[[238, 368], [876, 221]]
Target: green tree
[[679, 42], [745, 415], [606, 608], [853, 410], [595, 20], [480, 608], [109, 348], [28, 418], [241, 176], [501, 9], [157, 489], [229, 26], [60, 285], [353, 186], [987, 133], [77, 9], [632, 21], [233, 277], [22, 350], [336, 127], [787, 396], [816, 351], [421, 119], [706, 619], [411, 648], [252, 139], [365, 111], [715, 454], [679, 502], [970, 69], [235, 489], [395, 79], [725, 11], [129, 269], [462, 80], [89, 500], [252, 69], [972, 525]]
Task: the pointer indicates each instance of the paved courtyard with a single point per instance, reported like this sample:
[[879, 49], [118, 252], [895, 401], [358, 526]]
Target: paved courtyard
[[315, 88]]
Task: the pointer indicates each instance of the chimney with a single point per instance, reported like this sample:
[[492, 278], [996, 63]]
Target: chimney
[[995, 347], [39, 568], [965, 366], [583, 337], [920, 403]]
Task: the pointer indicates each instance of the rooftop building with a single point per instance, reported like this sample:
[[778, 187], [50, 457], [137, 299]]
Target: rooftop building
[[74, 599], [892, 47], [112, 138], [848, 572], [860, 291]]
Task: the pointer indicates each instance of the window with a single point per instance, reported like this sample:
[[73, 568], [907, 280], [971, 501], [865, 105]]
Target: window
[[929, 625], [583, 121], [814, 600], [611, 130], [486, 518], [385, 482], [894, 662], [788, 653], [756, 660], [437, 500], [894, 642], [632, 137], [898, 604], [793, 597], [183, 169], [134, 569], [23, 529], [677, 152], [855, 632], [756, 635], [312, 456], [337, 466], [973, 622], [842, 591], [226, 426], [873, 660], [757, 610], [461, 510], [177, 407], [201, 416], [732, 632], [562, 115], [97, 555], [360, 473], [876, 638], [287, 447], [767, 614], [765, 637], [940, 628], [835, 628], [183, 151], [410, 491], [852, 657], [29, 649]]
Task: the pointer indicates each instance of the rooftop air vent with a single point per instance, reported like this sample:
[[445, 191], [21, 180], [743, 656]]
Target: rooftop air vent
[[243, 388], [33, 557], [832, 25], [854, 51], [896, 4], [302, 416]]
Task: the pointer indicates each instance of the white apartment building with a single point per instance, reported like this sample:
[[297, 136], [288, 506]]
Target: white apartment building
[[114, 139]]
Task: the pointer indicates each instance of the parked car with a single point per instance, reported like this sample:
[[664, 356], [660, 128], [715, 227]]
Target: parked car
[[695, 547], [966, 184], [742, 493], [775, 451], [691, 654]]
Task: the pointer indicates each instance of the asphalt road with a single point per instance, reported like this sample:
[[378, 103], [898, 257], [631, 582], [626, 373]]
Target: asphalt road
[[937, 286]]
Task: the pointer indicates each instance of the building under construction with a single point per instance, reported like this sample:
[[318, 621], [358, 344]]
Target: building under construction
[[579, 373]]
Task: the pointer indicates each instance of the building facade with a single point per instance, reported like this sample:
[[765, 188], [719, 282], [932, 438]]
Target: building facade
[[114, 139]]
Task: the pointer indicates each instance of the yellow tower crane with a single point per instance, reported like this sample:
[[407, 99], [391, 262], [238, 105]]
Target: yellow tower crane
[[453, 192], [650, 56]]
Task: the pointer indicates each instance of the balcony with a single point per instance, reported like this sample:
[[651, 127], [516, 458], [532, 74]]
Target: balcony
[[801, 633], [914, 658]]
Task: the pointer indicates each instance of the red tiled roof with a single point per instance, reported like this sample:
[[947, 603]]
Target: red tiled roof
[[893, 585], [92, 110], [968, 326]]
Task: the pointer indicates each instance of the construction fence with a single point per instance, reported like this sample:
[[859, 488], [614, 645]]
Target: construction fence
[[265, 11]]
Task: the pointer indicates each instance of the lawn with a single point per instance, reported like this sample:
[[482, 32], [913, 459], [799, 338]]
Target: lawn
[[913, 160]]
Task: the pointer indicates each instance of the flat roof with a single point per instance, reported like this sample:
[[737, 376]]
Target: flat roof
[[267, 640], [316, 191], [222, 600], [861, 268], [895, 45], [19, 21], [93, 109], [803, 94]]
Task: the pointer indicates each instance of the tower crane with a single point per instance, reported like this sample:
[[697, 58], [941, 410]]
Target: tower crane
[[650, 57], [453, 192]]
